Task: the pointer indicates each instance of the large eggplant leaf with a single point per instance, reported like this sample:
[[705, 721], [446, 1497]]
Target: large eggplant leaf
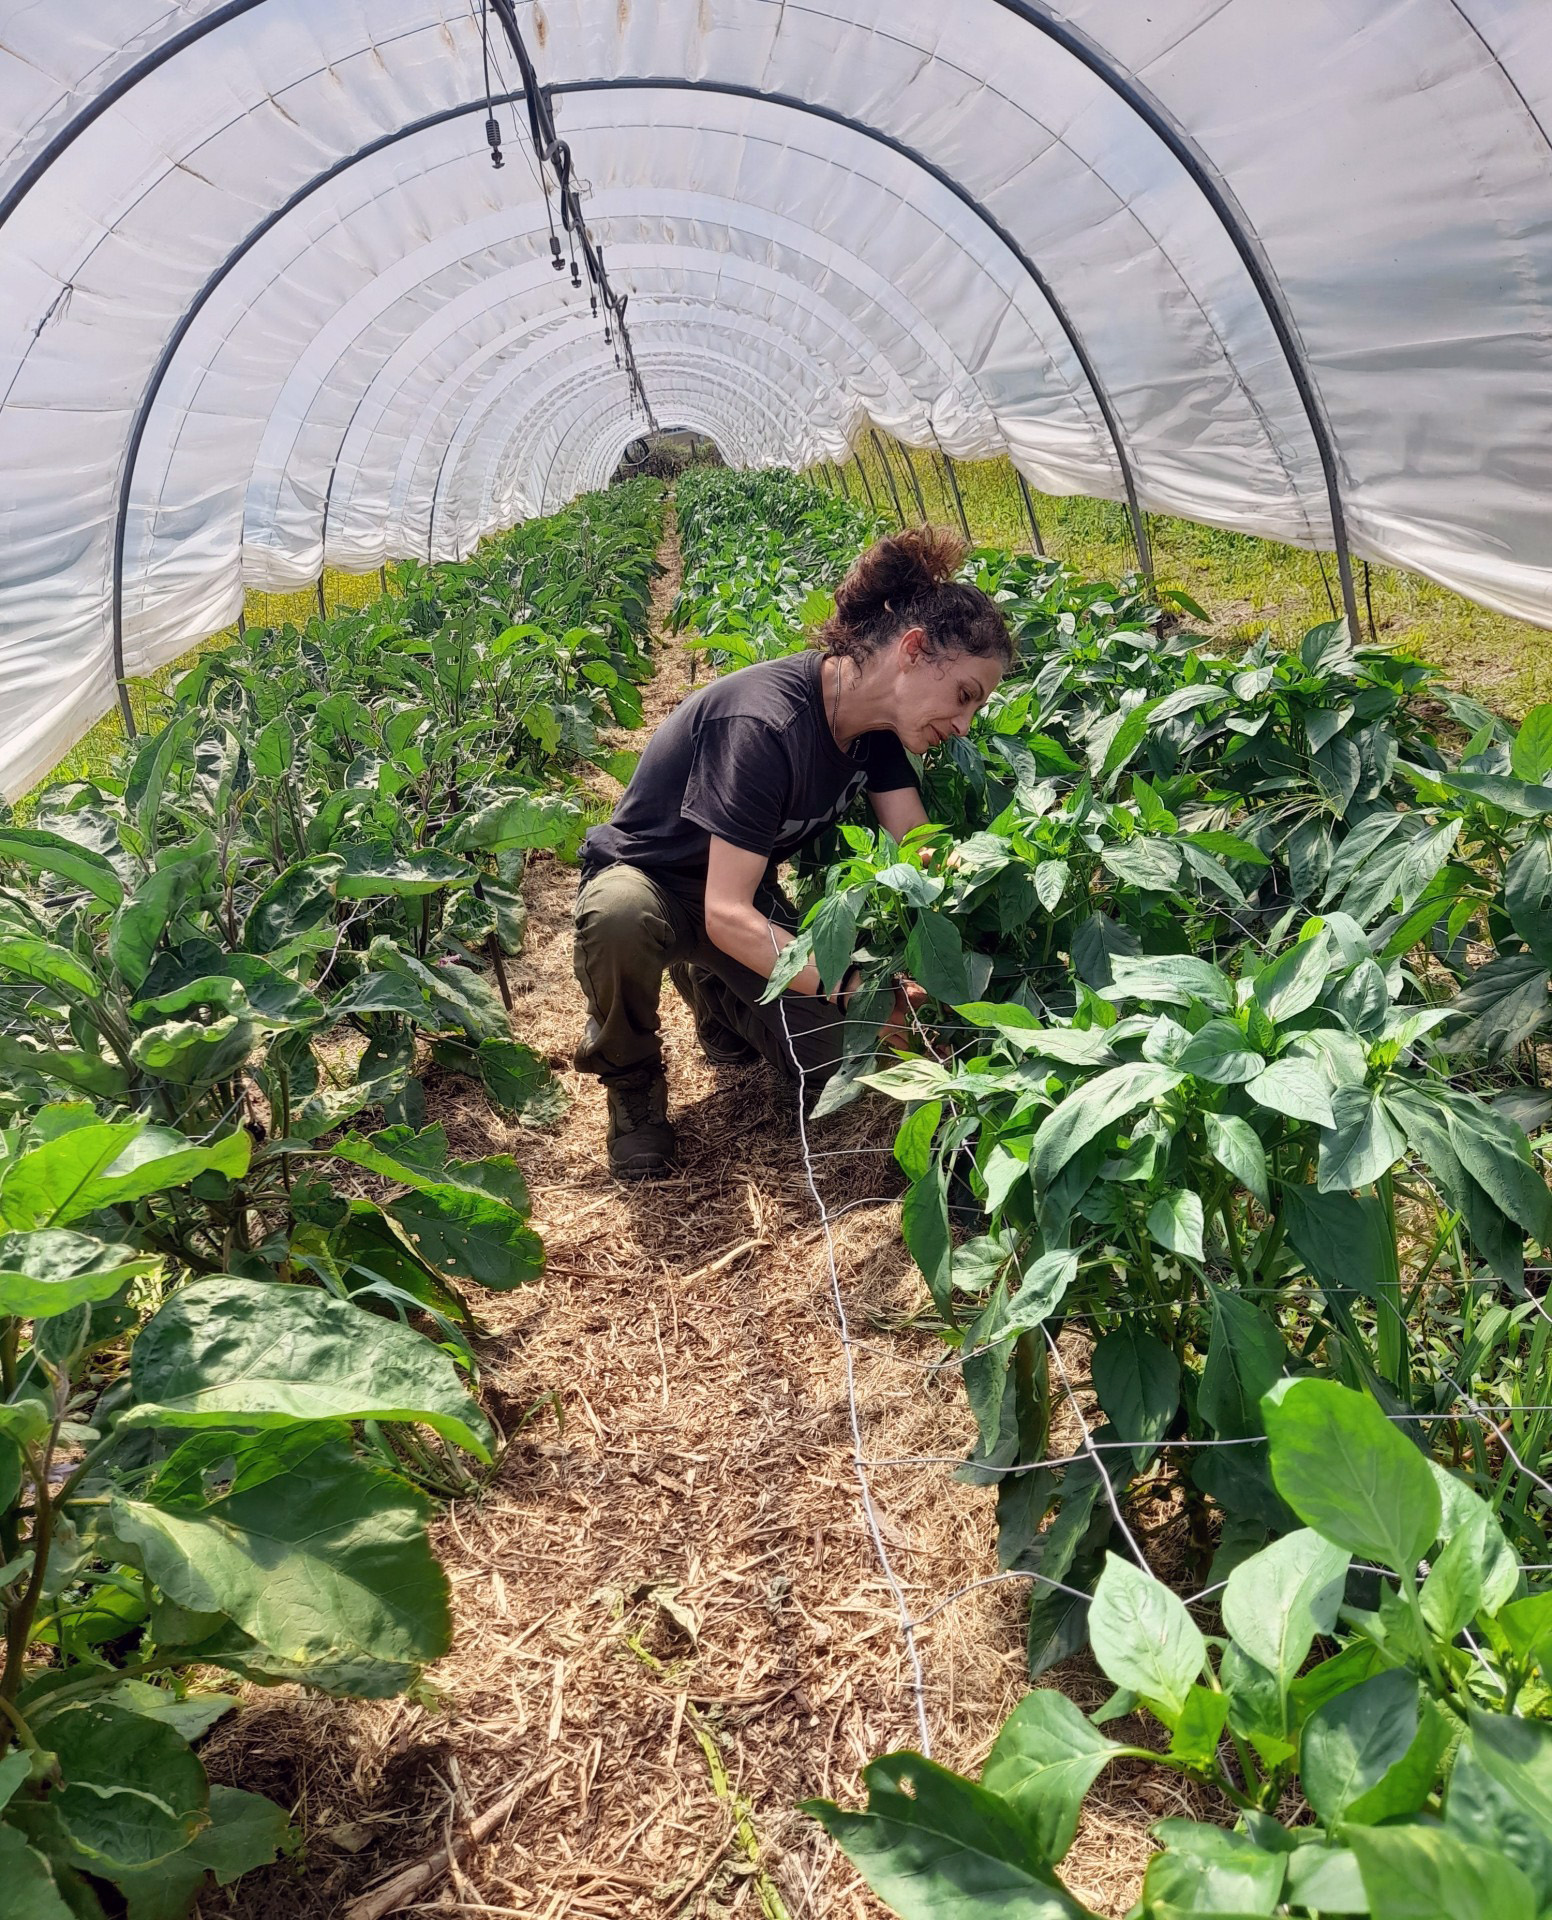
[[297, 900], [373, 871], [107, 1164], [53, 1269], [520, 820], [320, 1563], [133, 1791], [32, 1891], [42, 852], [26, 957], [258, 1354], [245, 1831]]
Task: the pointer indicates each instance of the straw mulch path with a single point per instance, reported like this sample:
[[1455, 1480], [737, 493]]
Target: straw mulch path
[[670, 1621]]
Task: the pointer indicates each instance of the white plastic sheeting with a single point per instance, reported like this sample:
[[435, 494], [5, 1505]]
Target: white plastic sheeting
[[828, 214]]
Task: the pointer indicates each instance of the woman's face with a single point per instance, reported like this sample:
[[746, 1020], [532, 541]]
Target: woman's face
[[937, 694]]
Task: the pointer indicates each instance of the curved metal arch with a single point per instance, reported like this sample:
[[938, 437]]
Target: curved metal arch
[[854, 345], [525, 428], [1138, 98], [712, 371], [564, 380], [496, 389], [568, 383], [510, 432], [633, 83], [115, 91], [688, 415], [192, 312], [852, 340], [922, 326], [730, 431], [616, 84], [1236, 223], [694, 362]]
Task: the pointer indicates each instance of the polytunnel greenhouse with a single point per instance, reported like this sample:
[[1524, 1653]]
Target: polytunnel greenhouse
[[1002, 552]]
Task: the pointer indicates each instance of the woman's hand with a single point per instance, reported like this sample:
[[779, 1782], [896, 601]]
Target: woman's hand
[[899, 1028]]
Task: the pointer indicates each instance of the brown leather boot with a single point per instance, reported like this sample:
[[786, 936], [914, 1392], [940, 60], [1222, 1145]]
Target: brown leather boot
[[641, 1142]]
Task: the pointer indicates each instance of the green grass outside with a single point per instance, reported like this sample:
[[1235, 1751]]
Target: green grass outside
[[1247, 585]]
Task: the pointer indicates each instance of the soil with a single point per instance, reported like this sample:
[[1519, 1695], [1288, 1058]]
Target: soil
[[671, 1622]]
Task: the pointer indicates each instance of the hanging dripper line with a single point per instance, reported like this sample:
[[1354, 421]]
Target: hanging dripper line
[[553, 152]]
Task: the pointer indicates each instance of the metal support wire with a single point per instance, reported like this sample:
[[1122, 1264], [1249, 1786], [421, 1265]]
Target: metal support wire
[[1029, 512], [867, 484], [910, 468], [840, 474], [889, 475], [953, 481]]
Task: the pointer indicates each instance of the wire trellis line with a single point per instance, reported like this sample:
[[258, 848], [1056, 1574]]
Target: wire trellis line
[[870, 1514]]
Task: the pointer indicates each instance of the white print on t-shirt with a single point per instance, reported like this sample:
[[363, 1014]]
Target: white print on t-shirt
[[801, 830]]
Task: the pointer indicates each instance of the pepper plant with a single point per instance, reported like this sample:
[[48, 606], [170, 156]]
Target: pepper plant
[[1373, 1719]]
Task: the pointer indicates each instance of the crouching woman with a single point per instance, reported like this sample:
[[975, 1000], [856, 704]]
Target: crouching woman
[[742, 775]]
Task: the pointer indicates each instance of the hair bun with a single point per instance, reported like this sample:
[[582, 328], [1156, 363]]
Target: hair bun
[[898, 571]]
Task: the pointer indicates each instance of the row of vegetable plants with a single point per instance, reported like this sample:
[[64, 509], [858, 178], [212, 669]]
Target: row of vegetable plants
[[1236, 969], [239, 1272]]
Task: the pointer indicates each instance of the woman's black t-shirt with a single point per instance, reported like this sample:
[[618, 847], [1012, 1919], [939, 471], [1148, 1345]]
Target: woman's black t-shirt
[[751, 759]]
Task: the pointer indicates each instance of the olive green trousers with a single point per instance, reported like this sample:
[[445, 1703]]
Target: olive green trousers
[[632, 926]]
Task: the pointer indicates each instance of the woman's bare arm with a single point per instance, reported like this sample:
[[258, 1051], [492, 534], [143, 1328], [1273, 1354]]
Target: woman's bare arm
[[898, 811], [733, 921]]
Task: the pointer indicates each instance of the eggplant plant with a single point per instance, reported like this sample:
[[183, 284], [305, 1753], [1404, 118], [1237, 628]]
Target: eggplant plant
[[1400, 1770], [221, 1500]]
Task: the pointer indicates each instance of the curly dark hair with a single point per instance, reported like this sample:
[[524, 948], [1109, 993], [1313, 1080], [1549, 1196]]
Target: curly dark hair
[[907, 580]]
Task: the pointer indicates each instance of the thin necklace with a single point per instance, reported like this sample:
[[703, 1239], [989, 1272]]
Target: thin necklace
[[835, 713]]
